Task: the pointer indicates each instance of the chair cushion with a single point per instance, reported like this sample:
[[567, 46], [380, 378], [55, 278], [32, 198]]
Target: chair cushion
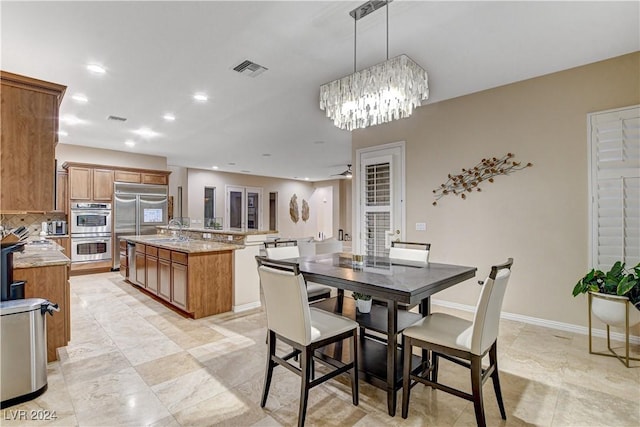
[[443, 329], [315, 289], [325, 324]]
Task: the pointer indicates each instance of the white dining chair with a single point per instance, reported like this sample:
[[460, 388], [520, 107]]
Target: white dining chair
[[291, 320], [460, 341], [285, 249], [410, 251]]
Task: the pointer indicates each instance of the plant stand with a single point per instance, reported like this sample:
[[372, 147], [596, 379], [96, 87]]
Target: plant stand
[[613, 310]]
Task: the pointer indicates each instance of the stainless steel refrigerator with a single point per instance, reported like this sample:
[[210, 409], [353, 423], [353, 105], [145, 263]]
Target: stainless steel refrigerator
[[138, 209]]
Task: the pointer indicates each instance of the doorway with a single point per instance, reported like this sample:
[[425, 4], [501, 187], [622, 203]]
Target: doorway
[[244, 207], [380, 193]]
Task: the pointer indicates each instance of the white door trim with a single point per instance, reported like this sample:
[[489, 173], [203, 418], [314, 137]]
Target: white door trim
[[357, 196]]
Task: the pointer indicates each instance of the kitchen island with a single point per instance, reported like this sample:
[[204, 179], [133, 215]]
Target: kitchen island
[[193, 276], [45, 268], [246, 283]]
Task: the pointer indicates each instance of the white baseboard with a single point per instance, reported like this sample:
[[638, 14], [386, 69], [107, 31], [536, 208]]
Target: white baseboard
[[568, 327], [245, 307]]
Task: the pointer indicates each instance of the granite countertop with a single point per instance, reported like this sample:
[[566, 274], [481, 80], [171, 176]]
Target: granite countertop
[[229, 231], [40, 255], [189, 246]]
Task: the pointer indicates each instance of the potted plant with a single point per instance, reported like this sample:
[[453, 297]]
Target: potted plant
[[363, 302], [611, 291]]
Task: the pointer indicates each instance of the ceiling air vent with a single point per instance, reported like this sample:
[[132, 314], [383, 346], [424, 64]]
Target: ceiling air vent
[[249, 68], [117, 119]]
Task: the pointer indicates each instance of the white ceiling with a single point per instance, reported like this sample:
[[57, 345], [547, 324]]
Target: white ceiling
[[157, 54]]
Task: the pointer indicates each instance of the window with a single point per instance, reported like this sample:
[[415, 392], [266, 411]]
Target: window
[[614, 139], [209, 205]]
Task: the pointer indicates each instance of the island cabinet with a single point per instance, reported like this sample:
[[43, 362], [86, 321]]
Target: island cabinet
[[29, 122], [197, 283], [151, 266], [140, 266], [90, 184]]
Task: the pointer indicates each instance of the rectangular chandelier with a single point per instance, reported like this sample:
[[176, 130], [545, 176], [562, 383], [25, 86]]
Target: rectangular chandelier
[[379, 94]]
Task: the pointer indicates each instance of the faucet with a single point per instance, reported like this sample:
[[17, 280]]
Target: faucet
[[176, 222]]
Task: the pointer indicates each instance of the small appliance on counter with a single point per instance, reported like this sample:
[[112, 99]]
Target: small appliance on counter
[[23, 335], [57, 227]]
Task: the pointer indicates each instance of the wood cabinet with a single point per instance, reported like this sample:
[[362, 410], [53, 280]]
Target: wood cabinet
[[62, 195], [124, 260], [51, 283], [29, 123], [151, 260], [164, 279], [127, 176], [179, 285], [89, 184], [200, 284], [153, 178], [102, 185], [141, 271]]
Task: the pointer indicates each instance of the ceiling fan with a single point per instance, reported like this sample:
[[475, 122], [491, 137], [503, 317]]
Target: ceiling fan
[[346, 174]]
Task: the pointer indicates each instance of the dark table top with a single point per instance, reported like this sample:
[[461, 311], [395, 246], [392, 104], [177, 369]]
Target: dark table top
[[384, 278]]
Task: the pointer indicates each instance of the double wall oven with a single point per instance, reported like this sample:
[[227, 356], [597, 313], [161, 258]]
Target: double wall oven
[[90, 232]]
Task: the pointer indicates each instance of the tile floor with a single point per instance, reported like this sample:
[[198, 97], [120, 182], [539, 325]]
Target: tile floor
[[133, 362]]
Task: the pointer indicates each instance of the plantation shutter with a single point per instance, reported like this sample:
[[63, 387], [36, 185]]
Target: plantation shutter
[[615, 187], [377, 207]]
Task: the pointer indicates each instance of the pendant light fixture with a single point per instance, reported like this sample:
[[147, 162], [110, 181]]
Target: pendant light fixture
[[379, 94]]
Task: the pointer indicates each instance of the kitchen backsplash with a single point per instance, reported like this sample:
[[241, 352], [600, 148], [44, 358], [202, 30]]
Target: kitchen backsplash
[[32, 221]]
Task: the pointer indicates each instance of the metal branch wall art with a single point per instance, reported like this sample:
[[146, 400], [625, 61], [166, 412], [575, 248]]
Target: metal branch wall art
[[469, 179]]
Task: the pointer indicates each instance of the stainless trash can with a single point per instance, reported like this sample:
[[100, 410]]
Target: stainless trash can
[[24, 349]]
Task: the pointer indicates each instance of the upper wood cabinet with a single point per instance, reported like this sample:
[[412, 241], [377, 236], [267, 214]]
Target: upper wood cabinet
[[29, 133], [90, 184], [142, 177]]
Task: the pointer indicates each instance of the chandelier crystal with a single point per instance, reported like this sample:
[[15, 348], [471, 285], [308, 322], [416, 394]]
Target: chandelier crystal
[[379, 94]]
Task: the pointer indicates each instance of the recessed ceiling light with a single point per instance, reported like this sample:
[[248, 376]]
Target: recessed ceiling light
[[306, 178], [130, 143], [80, 98], [201, 97], [71, 120], [62, 133], [214, 167], [95, 68], [145, 132], [318, 142], [245, 171], [266, 155], [231, 164], [169, 117]]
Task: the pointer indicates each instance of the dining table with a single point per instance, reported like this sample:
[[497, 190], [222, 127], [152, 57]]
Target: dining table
[[392, 283]]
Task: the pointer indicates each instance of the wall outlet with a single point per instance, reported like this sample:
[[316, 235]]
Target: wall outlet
[[229, 238], [421, 226]]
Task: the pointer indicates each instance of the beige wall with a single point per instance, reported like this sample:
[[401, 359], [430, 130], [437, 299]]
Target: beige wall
[[81, 154], [198, 179], [538, 216]]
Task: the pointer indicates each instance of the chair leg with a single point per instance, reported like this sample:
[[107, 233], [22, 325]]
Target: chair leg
[[406, 373], [305, 367], [434, 367], [476, 387], [493, 360], [271, 350], [354, 371]]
